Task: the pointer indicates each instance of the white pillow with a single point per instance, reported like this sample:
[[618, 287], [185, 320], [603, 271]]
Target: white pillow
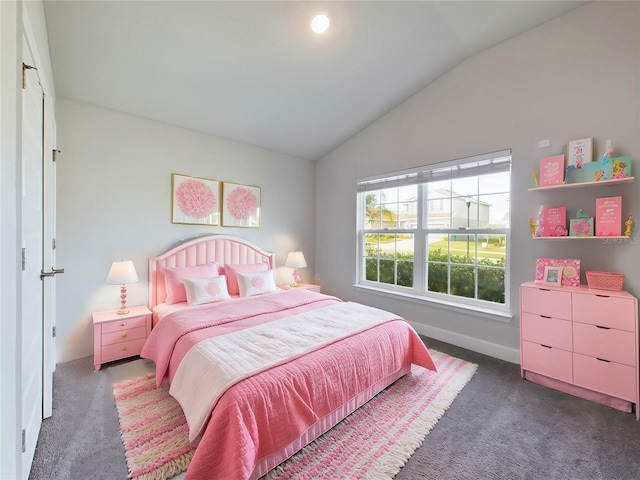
[[206, 290], [256, 283], [173, 278]]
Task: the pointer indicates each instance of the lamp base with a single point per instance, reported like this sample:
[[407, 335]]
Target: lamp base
[[296, 279], [123, 301]]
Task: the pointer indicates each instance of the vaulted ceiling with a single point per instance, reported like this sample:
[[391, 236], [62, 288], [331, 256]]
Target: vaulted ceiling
[[255, 72]]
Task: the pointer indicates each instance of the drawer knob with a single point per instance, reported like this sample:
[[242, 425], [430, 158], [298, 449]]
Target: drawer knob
[[124, 335], [123, 324], [124, 349]]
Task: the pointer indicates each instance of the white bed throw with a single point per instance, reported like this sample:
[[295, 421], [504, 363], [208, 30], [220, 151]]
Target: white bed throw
[[212, 366]]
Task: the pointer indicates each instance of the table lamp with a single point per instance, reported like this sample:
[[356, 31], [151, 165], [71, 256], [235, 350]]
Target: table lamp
[[122, 273], [295, 260]]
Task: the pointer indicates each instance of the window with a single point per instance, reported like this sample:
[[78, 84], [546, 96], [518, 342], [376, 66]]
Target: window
[[439, 232]]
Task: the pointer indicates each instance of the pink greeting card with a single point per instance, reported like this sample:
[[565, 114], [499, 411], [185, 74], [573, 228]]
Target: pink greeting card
[[554, 220], [570, 269], [551, 170], [608, 216]]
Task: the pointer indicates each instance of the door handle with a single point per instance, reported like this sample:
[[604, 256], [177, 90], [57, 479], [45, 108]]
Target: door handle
[[53, 271]]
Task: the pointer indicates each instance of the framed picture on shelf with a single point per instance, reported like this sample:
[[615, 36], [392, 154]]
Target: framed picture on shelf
[[570, 268], [609, 216], [552, 276], [240, 205], [551, 170], [581, 227], [195, 200], [579, 152]]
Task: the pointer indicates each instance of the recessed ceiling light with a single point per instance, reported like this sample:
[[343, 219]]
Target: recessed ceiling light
[[320, 23]]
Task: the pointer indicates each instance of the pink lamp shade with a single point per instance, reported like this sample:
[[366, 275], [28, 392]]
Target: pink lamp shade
[[122, 273], [295, 260]]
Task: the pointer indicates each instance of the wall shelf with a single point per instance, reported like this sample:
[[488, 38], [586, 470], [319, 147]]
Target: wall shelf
[[613, 181], [622, 237]]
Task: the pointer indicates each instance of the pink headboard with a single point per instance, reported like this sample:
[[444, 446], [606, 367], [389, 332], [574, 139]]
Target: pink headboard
[[199, 251]]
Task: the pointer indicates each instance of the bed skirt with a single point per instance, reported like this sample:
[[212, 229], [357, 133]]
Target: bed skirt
[[325, 424]]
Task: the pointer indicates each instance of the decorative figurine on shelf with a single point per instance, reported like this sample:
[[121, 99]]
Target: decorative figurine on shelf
[[532, 227], [540, 222], [561, 231], [628, 225]]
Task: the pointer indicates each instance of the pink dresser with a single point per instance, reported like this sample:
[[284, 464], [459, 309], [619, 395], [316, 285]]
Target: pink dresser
[[581, 341]]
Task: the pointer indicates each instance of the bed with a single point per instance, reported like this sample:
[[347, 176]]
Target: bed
[[260, 372]]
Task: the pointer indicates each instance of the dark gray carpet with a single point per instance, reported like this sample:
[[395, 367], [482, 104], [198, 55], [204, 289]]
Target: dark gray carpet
[[499, 427]]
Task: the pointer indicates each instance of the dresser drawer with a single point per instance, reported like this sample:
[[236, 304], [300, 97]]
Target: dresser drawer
[[124, 324], [550, 303], [604, 310], [607, 377], [606, 343], [549, 361], [123, 335], [122, 350], [553, 332]]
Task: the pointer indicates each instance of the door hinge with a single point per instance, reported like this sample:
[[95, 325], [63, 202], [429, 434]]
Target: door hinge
[[24, 440], [53, 331], [55, 154], [24, 259], [53, 244], [26, 67]]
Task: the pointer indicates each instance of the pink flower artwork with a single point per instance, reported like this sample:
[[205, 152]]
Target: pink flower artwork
[[212, 289], [257, 282], [242, 203], [195, 199]]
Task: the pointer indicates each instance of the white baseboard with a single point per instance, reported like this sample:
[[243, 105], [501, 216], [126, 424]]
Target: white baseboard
[[481, 346]]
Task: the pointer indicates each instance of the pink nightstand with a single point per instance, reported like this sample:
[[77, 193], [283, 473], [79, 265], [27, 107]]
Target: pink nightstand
[[119, 336], [303, 286]]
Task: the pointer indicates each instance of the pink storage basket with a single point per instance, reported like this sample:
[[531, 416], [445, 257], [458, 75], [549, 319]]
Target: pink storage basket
[[605, 280]]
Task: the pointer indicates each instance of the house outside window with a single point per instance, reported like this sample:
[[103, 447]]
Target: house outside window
[[439, 233]]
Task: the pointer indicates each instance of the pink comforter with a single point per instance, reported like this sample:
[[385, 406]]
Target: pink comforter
[[260, 415]]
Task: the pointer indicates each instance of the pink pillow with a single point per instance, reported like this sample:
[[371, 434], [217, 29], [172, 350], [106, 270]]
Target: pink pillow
[[173, 278], [231, 270]]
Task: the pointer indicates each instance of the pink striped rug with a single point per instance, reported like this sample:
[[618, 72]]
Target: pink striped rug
[[155, 434]]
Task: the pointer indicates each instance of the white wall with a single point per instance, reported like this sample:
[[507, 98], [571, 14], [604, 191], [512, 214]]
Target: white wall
[[573, 77], [114, 202]]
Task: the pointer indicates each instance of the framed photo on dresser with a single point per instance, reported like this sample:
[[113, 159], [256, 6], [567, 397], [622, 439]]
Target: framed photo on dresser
[[552, 276]]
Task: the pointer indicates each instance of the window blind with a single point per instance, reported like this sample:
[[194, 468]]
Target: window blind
[[466, 167]]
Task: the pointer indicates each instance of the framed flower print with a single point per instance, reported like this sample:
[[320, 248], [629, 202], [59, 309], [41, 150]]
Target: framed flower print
[[240, 205], [195, 200]]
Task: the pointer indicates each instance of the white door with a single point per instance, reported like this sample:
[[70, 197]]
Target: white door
[[32, 226]]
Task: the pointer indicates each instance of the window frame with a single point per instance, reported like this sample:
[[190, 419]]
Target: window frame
[[421, 177]]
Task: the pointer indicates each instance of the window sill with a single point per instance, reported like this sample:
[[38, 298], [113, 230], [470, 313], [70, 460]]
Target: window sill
[[490, 313]]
